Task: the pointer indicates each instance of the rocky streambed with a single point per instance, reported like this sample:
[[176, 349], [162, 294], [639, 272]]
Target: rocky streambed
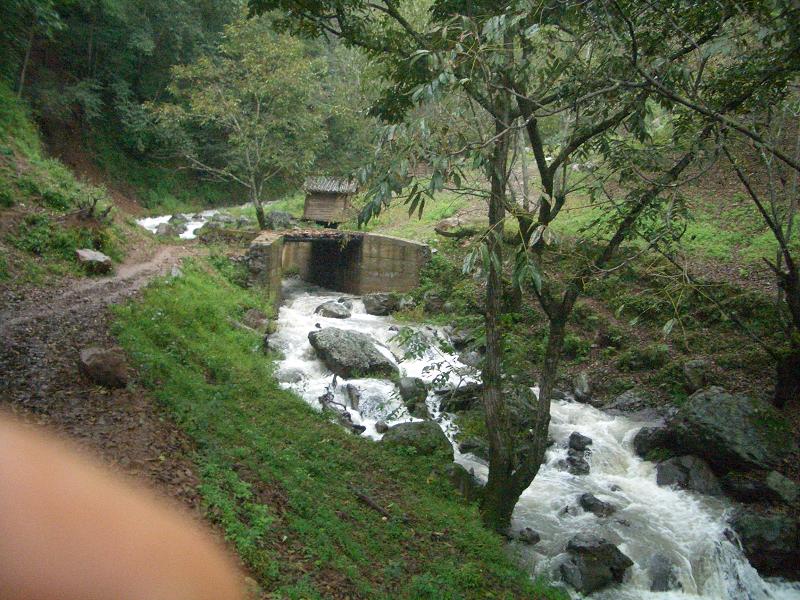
[[599, 517]]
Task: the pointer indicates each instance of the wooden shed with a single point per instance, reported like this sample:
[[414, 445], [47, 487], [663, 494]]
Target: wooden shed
[[328, 199]]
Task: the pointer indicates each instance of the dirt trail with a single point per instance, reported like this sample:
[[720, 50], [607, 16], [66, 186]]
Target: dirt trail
[[41, 334]]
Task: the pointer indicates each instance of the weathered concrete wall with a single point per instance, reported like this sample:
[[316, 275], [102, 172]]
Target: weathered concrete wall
[[264, 260], [352, 262]]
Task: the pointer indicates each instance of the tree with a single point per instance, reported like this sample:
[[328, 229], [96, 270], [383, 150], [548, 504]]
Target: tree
[[248, 113], [562, 70]]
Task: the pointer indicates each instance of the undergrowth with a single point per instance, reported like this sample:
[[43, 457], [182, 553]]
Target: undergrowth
[[281, 480]]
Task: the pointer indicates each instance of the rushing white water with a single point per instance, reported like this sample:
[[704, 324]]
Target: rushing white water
[[196, 221], [685, 529]]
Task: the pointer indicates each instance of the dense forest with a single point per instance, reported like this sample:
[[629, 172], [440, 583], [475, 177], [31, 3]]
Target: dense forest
[[548, 316]]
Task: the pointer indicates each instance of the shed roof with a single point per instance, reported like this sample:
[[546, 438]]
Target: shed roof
[[330, 185]]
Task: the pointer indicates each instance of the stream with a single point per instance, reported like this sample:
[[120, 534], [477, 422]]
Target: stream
[[685, 529]]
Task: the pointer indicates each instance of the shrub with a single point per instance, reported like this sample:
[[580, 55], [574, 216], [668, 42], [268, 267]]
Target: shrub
[[652, 356]]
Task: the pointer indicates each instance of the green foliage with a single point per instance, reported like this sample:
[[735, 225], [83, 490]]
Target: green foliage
[[44, 237], [651, 356], [575, 347], [279, 477]]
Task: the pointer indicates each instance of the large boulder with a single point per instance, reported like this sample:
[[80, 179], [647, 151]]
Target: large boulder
[[731, 431], [426, 437], [464, 481], [414, 392], [771, 541], [578, 441], [453, 227], [350, 353], [93, 261], [760, 486], [165, 230], [381, 304], [593, 564], [590, 503], [688, 473], [461, 398], [104, 366], [648, 439], [333, 309]]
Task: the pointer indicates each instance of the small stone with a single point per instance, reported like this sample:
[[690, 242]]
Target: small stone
[[529, 536], [578, 441], [104, 366], [93, 261]]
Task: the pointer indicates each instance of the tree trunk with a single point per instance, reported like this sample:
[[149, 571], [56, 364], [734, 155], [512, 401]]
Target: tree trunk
[[498, 501], [262, 219], [787, 383], [26, 59]]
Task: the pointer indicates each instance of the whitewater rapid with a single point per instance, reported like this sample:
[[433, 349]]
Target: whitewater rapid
[[687, 530]]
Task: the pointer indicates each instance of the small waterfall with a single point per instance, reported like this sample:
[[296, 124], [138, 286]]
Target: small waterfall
[[685, 530]]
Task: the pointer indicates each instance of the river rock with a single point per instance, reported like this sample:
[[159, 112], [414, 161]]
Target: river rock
[[381, 304], [93, 261], [433, 302], [381, 427], [165, 230], [760, 486], [590, 503], [350, 354], [581, 387], [651, 438], [471, 358], [426, 437], [346, 302], [696, 374], [631, 403], [529, 536], [223, 219], [353, 395], [771, 541], [731, 431], [476, 446], [463, 481], [278, 219], [333, 310], [104, 366], [663, 576], [413, 392], [459, 338], [593, 564], [453, 227], [576, 463], [688, 473], [255, 319], [578, 441], [459, 399]]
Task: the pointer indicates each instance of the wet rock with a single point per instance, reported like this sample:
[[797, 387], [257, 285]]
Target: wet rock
[[165, 230], [663, 576], [346, 302], [529, 536], [459, 399], [93, 261], [223, 219], [471, 358], [453, 227], [426, 437], [178, 222], [771, 541], [406, 303], [381, 427], [590, 503], [413, 392], [333, 310], [245, 222], [581, 387], [760, 486], [104, 366], [629, 402], [475, 446], [696, 374], [648, 439], [459, 338], [433, 302], [381, 304], [353, 395], [593, 564], [688, 473], [350, 354], [576, 463], [731, 431], [578, 441], [290, 375], [464, 481], [255, 319]]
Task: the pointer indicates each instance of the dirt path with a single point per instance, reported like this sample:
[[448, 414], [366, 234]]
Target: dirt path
[[41, 333]]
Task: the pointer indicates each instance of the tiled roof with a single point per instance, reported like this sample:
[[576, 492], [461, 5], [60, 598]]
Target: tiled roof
[[330, 185]]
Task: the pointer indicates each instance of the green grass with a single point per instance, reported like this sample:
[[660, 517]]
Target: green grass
[[279, 477]]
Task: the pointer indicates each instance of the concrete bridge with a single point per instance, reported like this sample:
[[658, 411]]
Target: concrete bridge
[[348, 261]]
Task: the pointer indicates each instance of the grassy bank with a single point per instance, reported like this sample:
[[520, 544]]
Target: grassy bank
[[281, 480]]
